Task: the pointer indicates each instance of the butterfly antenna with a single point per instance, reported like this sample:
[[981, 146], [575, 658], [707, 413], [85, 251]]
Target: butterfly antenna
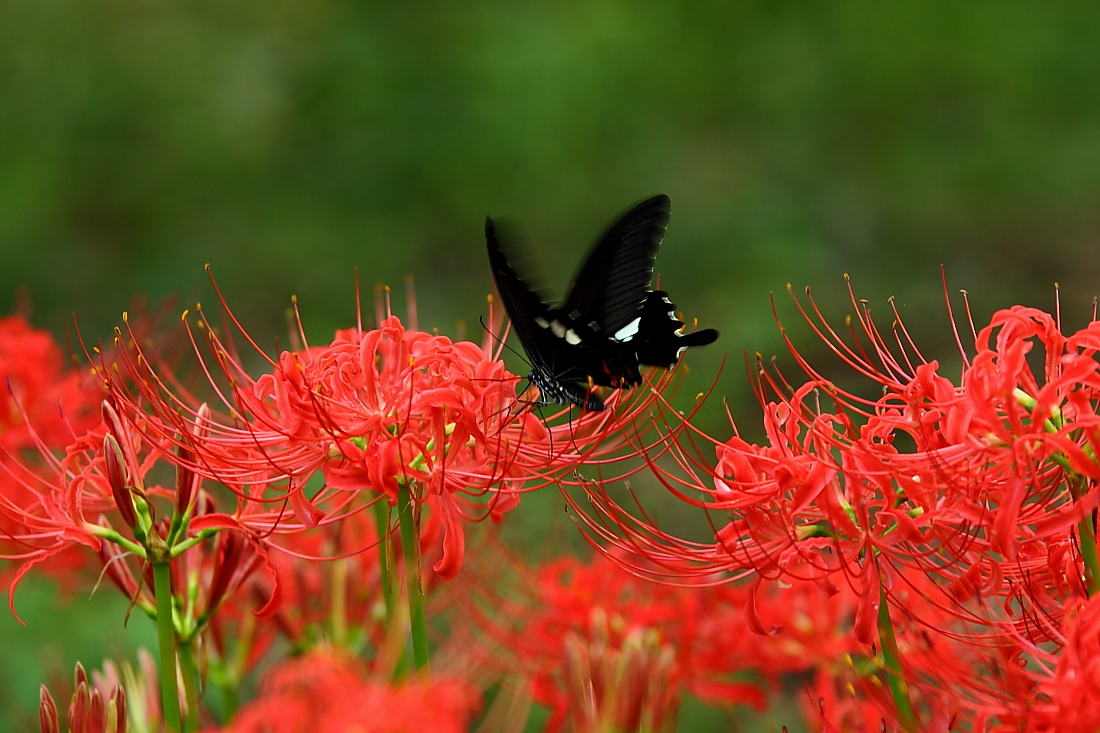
[[502, 342]]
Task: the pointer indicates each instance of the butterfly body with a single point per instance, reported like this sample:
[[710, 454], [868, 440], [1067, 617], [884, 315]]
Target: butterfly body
[[610, 324]]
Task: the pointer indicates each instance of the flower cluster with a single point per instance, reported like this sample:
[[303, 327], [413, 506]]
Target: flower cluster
[[329, 430], [212, 513], [43, 406], [606, 650], [961, 513], [920, 555]]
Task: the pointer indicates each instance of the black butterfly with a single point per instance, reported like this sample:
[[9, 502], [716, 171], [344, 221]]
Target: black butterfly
[[611, 322]]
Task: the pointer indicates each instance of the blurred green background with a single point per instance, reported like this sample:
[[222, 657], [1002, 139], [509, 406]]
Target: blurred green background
[[287, 143]]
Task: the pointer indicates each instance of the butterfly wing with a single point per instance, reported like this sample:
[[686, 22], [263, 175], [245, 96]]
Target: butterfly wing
[[612, 284], [660, 340], [521, 303], [557, 366]]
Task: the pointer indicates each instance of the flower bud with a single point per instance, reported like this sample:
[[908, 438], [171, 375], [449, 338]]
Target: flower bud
[[88, 712], [187, 481], [117, 478], [234, 554], [121, 433], [47, 712]]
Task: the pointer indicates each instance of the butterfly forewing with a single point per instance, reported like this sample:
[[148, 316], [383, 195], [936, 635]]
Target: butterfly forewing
[[521, 303], [612, 284]]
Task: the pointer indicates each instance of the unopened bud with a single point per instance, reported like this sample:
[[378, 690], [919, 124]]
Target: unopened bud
[[47, 712], [232, 552], [117, 428], [117, 478], [187, 481], [116, 712], [80, 677]]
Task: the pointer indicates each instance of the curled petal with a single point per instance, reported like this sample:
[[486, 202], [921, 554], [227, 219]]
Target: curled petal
[[454, 538]]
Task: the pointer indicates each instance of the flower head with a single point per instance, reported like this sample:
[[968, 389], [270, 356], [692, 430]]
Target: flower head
[[329, 429]]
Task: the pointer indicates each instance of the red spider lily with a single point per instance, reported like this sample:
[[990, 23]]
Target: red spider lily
[[98, 496], [39, 393], [328, 693], [377, 410], [991, 468], [90, 711], [986, 486], [41, 404], [608, 650]]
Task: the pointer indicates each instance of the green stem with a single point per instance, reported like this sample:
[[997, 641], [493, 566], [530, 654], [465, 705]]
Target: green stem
[[166, 636], [181, 547], [229, 681], [1086, 530], [381, 523], [340, 602], [385, 561], [190, 684], [230, 701], [891, 657], [1088, 553], [405, 506]]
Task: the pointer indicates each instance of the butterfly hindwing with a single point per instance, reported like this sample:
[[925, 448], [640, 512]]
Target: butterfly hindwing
[[660, 340]]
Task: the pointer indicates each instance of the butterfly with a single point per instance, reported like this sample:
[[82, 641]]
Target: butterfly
[[610, 324]]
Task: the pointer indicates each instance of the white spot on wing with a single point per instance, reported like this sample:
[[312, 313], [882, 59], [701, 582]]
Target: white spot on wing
[[557, 328], [541, 322], [628, 331], [571, 337]]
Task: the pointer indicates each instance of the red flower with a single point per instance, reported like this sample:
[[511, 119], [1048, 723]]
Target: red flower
[[1069, 700], [375, 410], [98, 496], [608, 650], [327, 693], [981, 492], [39, 393], [42, 407]]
